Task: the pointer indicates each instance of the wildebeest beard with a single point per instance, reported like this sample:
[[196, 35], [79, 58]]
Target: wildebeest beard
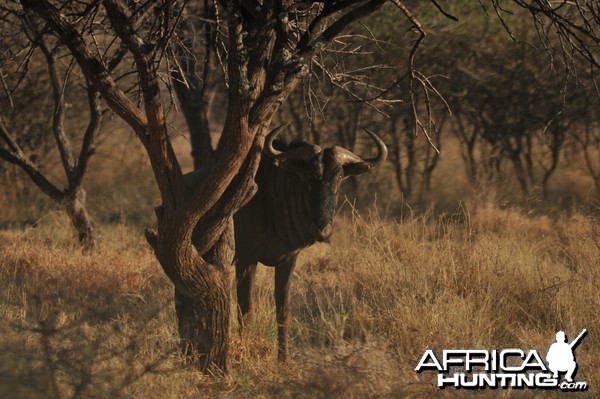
[[329, 175]]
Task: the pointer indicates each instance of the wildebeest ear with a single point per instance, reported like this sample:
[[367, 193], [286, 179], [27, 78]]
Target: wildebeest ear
[[353, 169]]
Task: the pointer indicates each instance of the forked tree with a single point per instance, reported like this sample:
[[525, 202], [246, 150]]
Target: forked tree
[[269, 47], [74, 163]]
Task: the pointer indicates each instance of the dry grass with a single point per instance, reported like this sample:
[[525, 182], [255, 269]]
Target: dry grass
[[365, 309]]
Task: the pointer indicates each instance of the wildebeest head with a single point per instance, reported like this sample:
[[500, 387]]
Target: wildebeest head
[[322, 172]]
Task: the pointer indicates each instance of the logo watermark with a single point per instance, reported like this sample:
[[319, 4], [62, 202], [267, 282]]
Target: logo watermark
[[507, 368]]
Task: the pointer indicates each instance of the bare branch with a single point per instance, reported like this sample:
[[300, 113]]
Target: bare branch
[[338, 26], [87, 144], [164, 162], [6, 89], [16, 157], [90, 65], [58, 117], [320, 21], [445, 13], [8, 138]]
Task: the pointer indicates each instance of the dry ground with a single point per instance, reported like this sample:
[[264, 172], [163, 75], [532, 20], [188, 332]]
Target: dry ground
[[365, 309]]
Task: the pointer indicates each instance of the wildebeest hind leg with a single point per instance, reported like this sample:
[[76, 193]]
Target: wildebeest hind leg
[[283, 280], [244, 274]]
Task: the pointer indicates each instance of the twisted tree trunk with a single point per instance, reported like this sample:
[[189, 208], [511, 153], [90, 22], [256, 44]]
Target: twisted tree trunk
[[202, 302]]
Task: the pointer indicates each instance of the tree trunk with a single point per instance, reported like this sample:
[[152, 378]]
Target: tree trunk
[[403, 173], [81, 220], [520, 173], [556, 145], [203, 322], [467, 144], [202, 297]]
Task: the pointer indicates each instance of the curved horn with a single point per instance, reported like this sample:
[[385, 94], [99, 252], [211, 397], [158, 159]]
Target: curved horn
[[381, 150], [270, 138], [344, 156]]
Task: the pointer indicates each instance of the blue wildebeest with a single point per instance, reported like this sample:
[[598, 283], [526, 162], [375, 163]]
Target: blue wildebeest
[[298, 188]]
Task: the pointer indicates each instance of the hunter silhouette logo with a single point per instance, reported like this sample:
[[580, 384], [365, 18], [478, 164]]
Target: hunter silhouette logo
[[560, 356], [507, 368]]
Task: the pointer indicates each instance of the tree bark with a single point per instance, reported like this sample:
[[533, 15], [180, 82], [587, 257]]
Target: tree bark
[[81, 220]]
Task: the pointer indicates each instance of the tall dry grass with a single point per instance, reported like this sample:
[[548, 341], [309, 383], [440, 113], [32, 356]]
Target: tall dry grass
[[365, 308]]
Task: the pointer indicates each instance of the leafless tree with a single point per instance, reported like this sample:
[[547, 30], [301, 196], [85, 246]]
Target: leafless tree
[[588, 139], [14, 145], [567, 29]]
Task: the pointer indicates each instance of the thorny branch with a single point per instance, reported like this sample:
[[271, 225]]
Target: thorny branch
[[575, 24], [414, 76]]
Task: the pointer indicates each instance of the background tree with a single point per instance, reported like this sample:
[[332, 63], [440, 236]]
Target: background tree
[[193, 73], [587, 138], [21, 140]]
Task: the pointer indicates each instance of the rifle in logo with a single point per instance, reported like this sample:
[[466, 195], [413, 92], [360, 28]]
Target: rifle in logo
[[560, 356]]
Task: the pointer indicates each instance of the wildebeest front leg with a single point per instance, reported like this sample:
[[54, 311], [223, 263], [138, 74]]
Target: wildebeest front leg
[[283, 280], [244, 274]]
